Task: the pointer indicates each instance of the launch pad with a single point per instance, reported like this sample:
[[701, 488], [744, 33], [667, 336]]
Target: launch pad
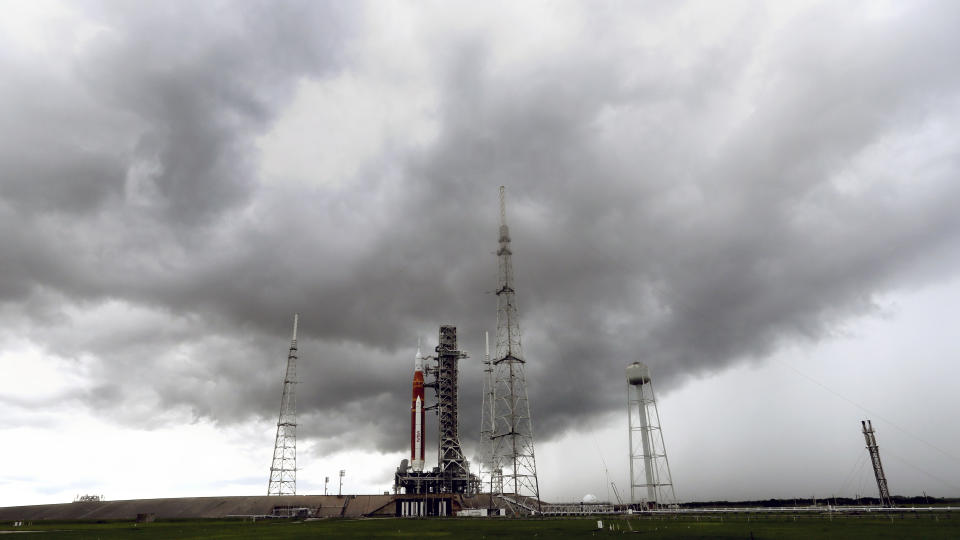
[[452, 473]]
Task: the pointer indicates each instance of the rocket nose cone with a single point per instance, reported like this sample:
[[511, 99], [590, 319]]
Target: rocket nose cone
[[418, 359]]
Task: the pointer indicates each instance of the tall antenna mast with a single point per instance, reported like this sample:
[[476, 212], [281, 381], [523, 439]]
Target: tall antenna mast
[[512, 459], [283, 469], [874, 451]]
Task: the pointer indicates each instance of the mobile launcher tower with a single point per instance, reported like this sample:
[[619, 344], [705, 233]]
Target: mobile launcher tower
[[452, 473], [650, 482]]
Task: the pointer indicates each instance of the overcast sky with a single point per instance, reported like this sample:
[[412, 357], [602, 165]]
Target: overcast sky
[[757, 199]]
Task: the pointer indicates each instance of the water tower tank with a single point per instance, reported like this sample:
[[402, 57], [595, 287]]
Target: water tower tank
[[638, 373]]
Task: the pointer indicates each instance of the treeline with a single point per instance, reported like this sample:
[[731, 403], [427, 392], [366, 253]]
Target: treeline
[[898, 500]]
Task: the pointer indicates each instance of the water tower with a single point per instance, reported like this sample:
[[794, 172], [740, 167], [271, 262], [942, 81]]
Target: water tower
[[650, 480]]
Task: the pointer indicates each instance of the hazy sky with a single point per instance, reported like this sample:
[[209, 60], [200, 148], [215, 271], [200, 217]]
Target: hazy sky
[[760, 200]]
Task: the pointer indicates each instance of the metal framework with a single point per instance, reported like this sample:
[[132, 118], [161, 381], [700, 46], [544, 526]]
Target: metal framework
[[870, 436], [487, 414], [453, 466], [650, 482], [283, 469], [580, 509], [512, 459]]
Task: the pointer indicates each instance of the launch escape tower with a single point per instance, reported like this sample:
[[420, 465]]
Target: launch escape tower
[[874, 451], [511, 461], [452, 475], [283, 469], [649, 468]]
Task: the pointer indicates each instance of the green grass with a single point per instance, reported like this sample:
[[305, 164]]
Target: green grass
[[933, 526]]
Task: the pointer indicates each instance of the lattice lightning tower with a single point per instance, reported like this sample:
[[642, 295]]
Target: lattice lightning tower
[[870, 436], [512, 459], [283, 469]]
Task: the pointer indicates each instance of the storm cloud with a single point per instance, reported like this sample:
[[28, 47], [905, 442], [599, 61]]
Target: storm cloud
[[687, 188]]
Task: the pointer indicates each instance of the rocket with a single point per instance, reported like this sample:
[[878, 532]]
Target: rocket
[[417, 414]]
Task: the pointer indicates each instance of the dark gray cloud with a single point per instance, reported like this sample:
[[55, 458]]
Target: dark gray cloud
[[691, 210], [203, 82]]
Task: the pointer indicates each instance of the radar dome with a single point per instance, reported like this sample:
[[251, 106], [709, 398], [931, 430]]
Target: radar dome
[[589, 498]]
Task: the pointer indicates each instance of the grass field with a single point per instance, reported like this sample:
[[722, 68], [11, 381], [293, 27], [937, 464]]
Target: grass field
[[933, 526]]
